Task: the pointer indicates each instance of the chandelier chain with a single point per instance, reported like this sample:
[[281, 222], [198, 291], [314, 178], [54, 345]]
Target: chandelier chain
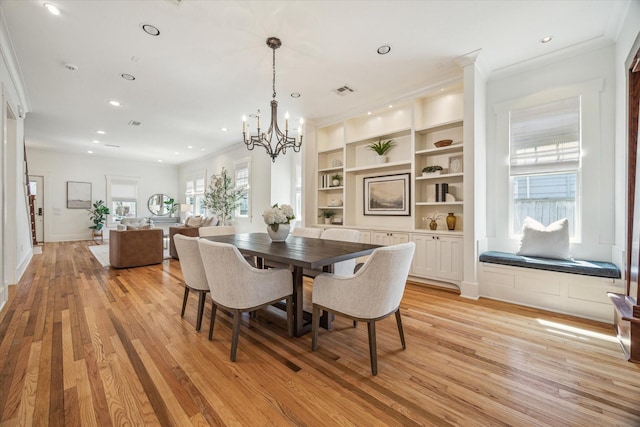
[[274, 72]]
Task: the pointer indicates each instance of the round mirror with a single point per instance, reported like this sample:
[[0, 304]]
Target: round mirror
[[158, 204]]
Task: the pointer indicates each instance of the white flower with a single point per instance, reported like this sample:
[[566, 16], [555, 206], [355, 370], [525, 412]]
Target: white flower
[[275, 215]]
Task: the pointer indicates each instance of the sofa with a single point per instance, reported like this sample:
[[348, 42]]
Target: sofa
[[190, 228], [135, 248]]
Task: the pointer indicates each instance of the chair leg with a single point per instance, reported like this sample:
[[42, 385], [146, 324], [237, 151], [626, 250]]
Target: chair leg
[[289, 301], [214, 309], [315, 325], [236, 332], [371, 326], [355, 323], [184, 300], [200, 310], [400, 330]]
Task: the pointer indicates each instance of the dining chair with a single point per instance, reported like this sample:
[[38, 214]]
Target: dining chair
[[342, 268], [192, 271], [220, 230], [239, 287], [307, 232], [371, 294]]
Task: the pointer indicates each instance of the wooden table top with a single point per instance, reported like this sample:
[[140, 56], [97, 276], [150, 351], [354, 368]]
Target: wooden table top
[[306, 252]]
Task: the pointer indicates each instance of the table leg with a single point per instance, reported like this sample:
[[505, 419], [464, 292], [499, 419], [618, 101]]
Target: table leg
[[327, 318], [299, 327]]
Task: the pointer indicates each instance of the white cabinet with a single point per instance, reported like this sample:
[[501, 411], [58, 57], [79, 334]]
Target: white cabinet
[[388, 238], [437, 256]]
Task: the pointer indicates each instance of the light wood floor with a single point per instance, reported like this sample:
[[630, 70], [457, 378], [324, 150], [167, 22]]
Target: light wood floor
[[85, 345]]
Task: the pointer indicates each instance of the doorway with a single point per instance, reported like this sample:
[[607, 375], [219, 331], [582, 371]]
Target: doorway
[[36, 189]]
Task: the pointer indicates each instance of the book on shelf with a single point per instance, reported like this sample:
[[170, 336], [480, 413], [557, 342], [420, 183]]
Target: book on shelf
[[441, 192]]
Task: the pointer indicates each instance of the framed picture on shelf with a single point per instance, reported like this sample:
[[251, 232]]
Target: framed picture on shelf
[[387, 195], [78, 195], [455, 164]]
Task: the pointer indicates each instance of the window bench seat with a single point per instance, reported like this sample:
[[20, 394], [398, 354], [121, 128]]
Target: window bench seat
[[574, 287], [586, 268]]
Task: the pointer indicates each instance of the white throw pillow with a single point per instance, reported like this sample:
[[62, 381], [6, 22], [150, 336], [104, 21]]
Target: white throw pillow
[[551, 241]]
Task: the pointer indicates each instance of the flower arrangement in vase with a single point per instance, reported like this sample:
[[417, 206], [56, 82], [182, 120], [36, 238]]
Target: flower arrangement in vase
[[278, 219], [433, 220]]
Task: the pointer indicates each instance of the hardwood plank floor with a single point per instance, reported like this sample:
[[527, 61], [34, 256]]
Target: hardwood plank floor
[[81, 344]]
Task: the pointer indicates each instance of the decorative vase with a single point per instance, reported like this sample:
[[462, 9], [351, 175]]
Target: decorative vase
[[451, 221], [281, 234], [327, 220], [381, 159], [336, 182], [433, 224]]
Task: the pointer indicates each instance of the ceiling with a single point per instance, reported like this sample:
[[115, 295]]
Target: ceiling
[[210, 64]]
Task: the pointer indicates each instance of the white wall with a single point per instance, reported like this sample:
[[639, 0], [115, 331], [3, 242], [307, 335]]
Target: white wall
[[539, 83], [62, 224], [15, 242], [626, 47]]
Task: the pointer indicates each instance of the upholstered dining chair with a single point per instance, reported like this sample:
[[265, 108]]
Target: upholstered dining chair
[[221, 230], [371, 294], [239, 287], [192, 271], [307, 232], [342, 268]]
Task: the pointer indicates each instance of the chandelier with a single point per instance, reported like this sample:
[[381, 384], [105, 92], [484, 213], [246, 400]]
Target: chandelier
[[273, 135]]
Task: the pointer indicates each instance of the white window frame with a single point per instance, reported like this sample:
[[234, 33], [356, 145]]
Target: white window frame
[[239, 165], [197, 192], [133, 180], [571, 166]]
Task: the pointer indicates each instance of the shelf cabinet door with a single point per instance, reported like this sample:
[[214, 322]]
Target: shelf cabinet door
[[449, 258], [387, 239], [424, 258], [437, 256]]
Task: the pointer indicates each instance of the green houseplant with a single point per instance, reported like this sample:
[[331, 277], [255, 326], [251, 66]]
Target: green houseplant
[[171, 206], [381, 148], [327, 216], [223, 196], [98, 214], [336, 179], [432, 169]]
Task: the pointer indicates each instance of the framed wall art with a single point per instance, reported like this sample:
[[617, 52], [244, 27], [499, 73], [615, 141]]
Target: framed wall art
[[78, 195], [387, 195]]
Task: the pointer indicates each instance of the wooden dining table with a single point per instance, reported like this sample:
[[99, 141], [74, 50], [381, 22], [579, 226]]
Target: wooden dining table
[[300, 253]]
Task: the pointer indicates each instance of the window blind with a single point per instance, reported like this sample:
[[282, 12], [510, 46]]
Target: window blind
[[124, 190], [545, 138]]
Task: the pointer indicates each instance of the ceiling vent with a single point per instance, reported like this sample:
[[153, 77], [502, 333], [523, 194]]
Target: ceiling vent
[[134, 123], [111, 145], [344, 90], [177, 2]]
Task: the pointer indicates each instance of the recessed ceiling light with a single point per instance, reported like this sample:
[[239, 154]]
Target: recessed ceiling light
[[127, 76], [390, 106], [52, 9], [224, 129], [115, 103], [100, 132], [177, 152], [295, 95], [369, 113], [202, 149], [151, 30], [189, 146], [383, 50], [95, 141], [159, 161], [546, 39], [89, 152]]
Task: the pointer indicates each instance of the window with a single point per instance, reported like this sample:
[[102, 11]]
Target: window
[[122, 197], [242, 181], [194, 195], [545, 146]]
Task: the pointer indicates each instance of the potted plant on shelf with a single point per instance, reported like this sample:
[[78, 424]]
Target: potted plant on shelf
[[98, 214], [381, 148], [327, 216], [431, 170], [335, 180]]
